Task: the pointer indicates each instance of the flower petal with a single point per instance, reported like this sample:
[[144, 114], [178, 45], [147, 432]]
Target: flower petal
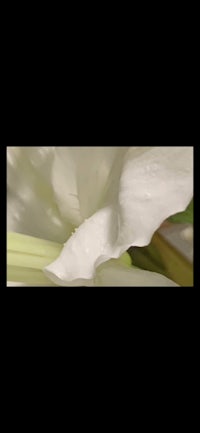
[[156, 182], [31, 206], [51, 190], [90, 245], [113, 274], [82, 177], [146, 187]]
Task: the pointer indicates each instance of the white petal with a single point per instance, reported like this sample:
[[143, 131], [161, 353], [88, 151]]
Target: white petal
[[113, 274], [82, 178], [90, 245], [146, 187], [156, 182], [31, 206]]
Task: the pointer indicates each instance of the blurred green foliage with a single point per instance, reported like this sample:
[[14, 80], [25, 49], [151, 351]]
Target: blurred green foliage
[[184, 217]]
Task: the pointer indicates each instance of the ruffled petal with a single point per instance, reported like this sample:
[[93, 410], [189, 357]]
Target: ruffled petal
[[148, 185], [156, 182], [114, 274], [90, 245]]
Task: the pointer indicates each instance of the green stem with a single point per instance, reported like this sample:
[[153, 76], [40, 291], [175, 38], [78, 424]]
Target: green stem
[[27, 256], [27, 276]]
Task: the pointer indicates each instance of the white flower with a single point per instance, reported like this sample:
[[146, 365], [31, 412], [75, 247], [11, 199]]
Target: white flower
[[97, 201]]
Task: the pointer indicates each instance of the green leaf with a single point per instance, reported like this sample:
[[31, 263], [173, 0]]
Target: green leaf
[[184, 217]]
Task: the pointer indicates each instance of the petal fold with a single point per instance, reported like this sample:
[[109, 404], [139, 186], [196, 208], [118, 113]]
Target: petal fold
[[146, 187], [90, 245], [156, 182]]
